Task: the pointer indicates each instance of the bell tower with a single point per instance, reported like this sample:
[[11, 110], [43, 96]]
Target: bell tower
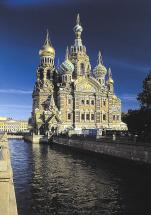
[[43, 88]]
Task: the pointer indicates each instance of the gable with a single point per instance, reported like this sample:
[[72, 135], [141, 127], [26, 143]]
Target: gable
[[84, 84]]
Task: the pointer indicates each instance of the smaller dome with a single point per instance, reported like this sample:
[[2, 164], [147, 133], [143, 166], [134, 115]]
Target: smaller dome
[[100, 68], [110, 81], [47, 49], [78, 28], [114, 97], [67, 66]]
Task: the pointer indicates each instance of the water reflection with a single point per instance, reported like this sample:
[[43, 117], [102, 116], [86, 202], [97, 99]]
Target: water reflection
[[49, 180]]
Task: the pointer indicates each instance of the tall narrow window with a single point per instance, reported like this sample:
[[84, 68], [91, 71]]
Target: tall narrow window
[[82, 68], [87, 116], [92, 116], [69, 101], [82, 116], [104, 117], [104, 103], [82, 102], [48, 74], [69, 116], [87, 102], [41, 75], [92, 102]]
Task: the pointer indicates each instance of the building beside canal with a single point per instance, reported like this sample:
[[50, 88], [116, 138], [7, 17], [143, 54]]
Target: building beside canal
[[13, 126], [74, 96]]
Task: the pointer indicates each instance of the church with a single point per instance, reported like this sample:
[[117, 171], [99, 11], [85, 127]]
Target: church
[[74, 96]]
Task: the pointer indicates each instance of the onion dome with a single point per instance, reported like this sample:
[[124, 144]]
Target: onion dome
[[100, 68], [78, 28], [47, 49], [67, 66], [110, 79]]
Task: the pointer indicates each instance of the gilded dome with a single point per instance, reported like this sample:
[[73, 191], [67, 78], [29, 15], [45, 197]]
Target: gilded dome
[[110, 80], [100, 68], [47, 49], [67, 66]]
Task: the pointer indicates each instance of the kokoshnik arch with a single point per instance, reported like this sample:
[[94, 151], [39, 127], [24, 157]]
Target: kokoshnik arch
[[73, 96]]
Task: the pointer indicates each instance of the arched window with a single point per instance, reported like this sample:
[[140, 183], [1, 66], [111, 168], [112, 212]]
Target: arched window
[[104, 117], [48, 74], [82, 68], [41, 74]]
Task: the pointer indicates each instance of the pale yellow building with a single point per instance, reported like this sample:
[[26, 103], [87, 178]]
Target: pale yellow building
[[13, 126], [74, 96]]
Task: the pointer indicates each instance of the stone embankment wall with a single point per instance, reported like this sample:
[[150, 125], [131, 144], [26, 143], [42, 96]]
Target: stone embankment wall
[[36, 138], [8, 204], [127, 151]]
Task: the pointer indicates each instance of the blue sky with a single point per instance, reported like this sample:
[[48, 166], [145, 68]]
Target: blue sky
[[120, 29]]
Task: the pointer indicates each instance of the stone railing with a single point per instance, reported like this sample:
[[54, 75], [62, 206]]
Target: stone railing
[[7, 193]]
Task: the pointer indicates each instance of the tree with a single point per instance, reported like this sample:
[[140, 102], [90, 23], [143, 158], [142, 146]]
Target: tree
[[145, 96], [139, 121]]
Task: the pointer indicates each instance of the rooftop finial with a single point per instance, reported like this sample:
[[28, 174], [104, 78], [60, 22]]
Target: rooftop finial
[[67, 53], [78, 19], [100, 60], [47, 41], [110, 73]]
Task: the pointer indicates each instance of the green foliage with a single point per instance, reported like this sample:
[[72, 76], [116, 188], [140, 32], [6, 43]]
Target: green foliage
[[124, 117], [139, 121], [145, 96]]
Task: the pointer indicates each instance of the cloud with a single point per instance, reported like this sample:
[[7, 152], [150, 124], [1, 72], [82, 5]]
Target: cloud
[[14, 106], [129, 98], [15, 91]]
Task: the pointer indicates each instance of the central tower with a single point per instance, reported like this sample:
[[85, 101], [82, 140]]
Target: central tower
[[78, 55]]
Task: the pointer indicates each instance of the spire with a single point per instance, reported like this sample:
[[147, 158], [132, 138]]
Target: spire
[[47, 41], [100, 60], [110, 73], [78, 28], [67, 54], [78, 19]]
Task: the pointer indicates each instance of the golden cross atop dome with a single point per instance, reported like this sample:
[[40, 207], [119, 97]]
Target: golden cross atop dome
[[47, 49]]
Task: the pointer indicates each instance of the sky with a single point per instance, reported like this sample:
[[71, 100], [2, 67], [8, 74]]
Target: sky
[[120, 29]]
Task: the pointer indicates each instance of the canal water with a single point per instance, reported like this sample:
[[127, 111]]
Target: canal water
[[51, 180]]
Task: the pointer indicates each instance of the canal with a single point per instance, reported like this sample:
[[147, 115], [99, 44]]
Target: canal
[[51, 180]]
